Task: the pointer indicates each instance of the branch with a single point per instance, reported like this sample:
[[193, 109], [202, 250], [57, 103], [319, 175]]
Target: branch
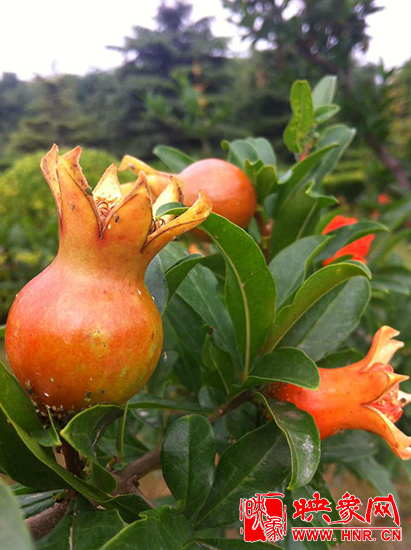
[[41, 524]]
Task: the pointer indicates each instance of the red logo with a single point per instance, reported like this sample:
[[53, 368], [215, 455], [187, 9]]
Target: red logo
[[264, 518]]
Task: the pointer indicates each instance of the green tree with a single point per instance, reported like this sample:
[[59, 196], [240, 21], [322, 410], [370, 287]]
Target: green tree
[[326, 35]]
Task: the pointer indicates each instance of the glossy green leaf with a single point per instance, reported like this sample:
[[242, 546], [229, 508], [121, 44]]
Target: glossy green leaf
[[324, 113], [316, 286], [393, 279], [239, 151], [176, 274], [146, 401], [324, 91], [264, 149], [340, 358], [349, 446], [298, 216], [250, 288], [299, 128], [156, 283], [47, 437], [49, 469], [282, 365], [173, 158], [129, 506], [159, 529], [331, 320], [343, 136], [302, 435], [348, 234], [14, 535], [187, 458], [220, 362], [200, 290], [265, 181], [289, 266], [258, 461], [2, 331], [84, 430]]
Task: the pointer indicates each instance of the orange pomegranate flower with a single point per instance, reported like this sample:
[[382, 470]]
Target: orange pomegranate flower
[[361, 396], [357, 249]]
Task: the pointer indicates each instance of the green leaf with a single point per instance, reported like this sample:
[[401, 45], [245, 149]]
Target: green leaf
[[302, 435], [264, 149], [14, 535], [331, 320], [298, 216], [349, 446], [324, 91], [397, 213], [92, 528], [176, 274], [239, 151], [348, 234], [375, 473], [2, 331], [85, 429], [258, 461], [220, 362], [160, 529], [129, 506], [48, 479], [324, 113], [164, 208], [200, 290], [156, 283], [289, 266], [49, 437], [250, 288], [265, 180], [340, 358], [299, 128], [283, 365], [147, 401], [32, 504], [340, 134], [187, 457], [173, 158], [316, 286]]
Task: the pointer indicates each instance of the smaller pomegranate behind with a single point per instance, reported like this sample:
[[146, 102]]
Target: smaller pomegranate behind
[[86, 330], [229, 188]]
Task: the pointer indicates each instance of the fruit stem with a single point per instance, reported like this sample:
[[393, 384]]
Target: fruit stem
[[265, 229], [72, 459]]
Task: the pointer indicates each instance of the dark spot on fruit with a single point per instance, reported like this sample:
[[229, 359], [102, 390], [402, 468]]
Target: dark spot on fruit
[[73, 207], [88, 394], [116, 218], [103, 391]]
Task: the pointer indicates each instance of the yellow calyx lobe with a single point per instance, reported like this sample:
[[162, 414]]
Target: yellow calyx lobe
[[121, 215]]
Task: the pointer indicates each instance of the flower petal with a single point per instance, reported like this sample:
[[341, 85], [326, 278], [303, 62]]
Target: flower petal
[[187, 221], [172, 193], [382, 349], [396, 439]]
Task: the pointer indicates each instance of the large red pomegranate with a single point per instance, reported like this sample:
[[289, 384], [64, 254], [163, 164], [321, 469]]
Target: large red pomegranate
[[229, 188], [86, 330]]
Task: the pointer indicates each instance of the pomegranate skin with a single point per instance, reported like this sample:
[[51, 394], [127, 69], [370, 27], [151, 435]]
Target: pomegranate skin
[[86, 330], [73, 342], [231, 191], [229, 188]]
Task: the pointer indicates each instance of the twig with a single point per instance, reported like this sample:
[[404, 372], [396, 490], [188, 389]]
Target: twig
[[41, 524], [128, 479]]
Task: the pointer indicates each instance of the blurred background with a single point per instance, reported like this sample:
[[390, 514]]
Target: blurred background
[[126, 78]]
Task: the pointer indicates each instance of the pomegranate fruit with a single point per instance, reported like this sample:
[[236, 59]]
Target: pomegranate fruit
[[229, 188], [86, 330], [361, 396]]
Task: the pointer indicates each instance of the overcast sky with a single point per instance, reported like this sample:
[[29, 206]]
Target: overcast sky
[[42, 36]]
